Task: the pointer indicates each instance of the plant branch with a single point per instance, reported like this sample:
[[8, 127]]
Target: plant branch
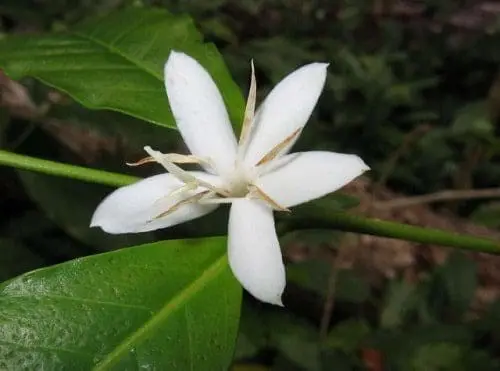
[[304, 217], [64, 170], [447, 195], [390, 164], [312, 215]]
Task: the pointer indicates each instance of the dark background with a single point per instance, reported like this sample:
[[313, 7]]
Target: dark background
[[413, 88]]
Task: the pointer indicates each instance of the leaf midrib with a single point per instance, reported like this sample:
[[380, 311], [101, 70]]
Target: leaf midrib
[[110, 48], [170, 307]]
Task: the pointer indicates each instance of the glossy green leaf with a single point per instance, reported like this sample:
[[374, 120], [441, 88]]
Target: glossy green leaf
[[293, 338], [348, 335], [314, 275], [163, 306], [487, 215], [116, 62], [400, 300], [473, 120], [458, 277], [437, 356]]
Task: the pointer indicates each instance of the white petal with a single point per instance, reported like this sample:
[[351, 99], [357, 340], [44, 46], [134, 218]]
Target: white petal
[[286, 109], [254, 251], [305, 176], [199, 111], [132, 208]]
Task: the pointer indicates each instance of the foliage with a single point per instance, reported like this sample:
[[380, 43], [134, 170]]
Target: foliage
[[411, 326], [124, 309]]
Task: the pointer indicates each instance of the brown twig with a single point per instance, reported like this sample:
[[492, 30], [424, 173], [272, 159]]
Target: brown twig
[[329, 303], [338, 262], [393, 159], [442, 196]]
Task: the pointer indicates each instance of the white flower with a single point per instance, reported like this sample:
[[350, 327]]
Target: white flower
[[254, 174]]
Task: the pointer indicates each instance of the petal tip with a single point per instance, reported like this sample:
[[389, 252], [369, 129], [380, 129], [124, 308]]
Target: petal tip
[[320, 66], [278, 302], [94, 221], [275, 299], [97, 222], [364, 167], [361, 165], [174, 61], [174, 54]]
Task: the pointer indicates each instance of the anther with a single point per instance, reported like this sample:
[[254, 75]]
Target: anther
[[260, 194], [272, 154], [176, 206]]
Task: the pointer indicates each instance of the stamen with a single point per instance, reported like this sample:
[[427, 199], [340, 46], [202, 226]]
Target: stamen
[[184, 159], [142, 161], [175, 158], [271, 155], [185, 188], [175, 170], [249, 112], [176, 206], [180, 173], [259, 193], [179, 192], [219, 200]]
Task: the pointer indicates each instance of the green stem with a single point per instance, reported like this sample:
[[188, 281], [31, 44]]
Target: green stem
[[314, 216], [64, 170], [304, 217]]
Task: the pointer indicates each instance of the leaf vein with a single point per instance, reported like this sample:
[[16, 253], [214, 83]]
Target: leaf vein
[[116, 51], [82, 300], [171, 306], [44, 347], [190, 338]]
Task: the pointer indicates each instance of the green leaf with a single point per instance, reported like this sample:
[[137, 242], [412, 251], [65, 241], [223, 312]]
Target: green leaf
[[269, 328], [487, 215], [295, 338], [400, 300], [348, 335], [400, 346], [314, 274], [164, 306], [473, 120], [437, 357], [351, 287], [116, 62], [459, 279]]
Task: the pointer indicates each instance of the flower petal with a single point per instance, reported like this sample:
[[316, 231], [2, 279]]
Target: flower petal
[[199, 111], [133, 208], [254, 251], [305, 176], [285, 110]]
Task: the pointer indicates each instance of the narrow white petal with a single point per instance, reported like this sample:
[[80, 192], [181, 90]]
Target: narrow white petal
[[254, 251], [133, 208], [286, 109], [305, 176], [199, 111]]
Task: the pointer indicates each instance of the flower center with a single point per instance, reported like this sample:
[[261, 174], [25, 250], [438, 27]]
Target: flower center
[[239, 182]]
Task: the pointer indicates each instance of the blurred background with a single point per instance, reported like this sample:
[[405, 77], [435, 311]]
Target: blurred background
[[413, 88]]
